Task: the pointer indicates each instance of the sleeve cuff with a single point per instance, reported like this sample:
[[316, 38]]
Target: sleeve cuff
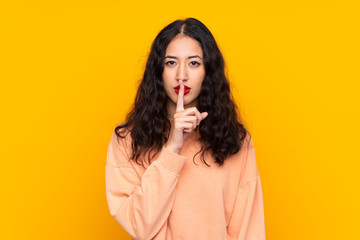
[[171, 161]]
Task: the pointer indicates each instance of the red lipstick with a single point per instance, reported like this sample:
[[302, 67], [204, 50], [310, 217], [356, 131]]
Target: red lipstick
[[186, 89]]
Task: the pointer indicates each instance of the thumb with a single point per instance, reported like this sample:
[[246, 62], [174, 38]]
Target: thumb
[[204, 115]]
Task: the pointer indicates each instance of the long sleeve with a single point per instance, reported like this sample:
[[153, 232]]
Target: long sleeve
[[140, 204], [247, 221]]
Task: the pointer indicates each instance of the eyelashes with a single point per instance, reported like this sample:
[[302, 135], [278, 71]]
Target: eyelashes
[[195, 63], [192, 63], [170, 63]]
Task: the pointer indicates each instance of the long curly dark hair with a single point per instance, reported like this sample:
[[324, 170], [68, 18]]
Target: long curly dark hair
[[221, 132]]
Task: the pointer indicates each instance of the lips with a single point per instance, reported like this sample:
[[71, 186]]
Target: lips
[[186, 89]]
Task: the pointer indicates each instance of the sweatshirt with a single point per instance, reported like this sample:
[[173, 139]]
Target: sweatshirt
[[174, 198]]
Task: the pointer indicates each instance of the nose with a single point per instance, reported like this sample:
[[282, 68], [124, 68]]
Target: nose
[[181, 73]]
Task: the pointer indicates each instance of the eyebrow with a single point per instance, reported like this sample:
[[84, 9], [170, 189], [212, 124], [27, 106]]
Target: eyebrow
[[195, 56]]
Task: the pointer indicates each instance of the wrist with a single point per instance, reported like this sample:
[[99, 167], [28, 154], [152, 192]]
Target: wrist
[[172, 148]]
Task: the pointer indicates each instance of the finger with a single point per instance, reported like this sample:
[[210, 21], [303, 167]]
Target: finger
[[183, 125], [180, 99], [204, 115], [196, 112], [190, 119]]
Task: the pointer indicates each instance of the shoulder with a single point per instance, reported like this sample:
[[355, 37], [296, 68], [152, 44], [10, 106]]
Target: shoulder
[[122, 133], [248, 142], [119, 148], [249, 170]]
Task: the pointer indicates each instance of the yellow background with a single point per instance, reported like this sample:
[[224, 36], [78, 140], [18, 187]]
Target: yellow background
[[69, 71]]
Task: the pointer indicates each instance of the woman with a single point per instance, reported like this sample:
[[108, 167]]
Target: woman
[[182, 165]]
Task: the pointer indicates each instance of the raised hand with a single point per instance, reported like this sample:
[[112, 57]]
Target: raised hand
[[185, 120]]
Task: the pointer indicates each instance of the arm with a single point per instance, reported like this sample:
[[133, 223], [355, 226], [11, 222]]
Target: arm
[[140, 206], [247, 220]]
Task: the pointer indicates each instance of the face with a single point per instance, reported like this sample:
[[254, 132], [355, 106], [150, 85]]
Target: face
[[183, 60]]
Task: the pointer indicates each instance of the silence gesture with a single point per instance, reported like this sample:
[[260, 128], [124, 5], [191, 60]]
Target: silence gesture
[[185, 120]]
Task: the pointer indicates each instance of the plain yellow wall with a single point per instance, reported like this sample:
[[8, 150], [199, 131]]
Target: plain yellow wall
[[69, 71]]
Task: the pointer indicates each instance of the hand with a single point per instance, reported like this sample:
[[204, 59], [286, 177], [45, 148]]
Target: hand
[[185, 120]]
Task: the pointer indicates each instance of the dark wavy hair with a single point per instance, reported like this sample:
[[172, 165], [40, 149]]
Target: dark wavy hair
[[221, 132]]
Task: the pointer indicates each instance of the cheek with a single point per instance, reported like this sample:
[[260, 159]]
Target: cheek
[[166, 77], [167, 84], [200, 79]]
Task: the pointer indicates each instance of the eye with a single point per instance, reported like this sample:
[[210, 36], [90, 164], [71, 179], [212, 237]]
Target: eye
[[170, 63], [194, 63]]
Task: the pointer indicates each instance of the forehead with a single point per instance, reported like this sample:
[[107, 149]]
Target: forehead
[[183, 45]]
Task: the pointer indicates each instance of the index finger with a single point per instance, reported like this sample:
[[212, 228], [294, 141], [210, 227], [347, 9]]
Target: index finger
[[180, 99]]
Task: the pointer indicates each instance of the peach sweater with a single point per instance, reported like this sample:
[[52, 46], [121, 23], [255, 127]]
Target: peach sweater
[[174, 199]]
